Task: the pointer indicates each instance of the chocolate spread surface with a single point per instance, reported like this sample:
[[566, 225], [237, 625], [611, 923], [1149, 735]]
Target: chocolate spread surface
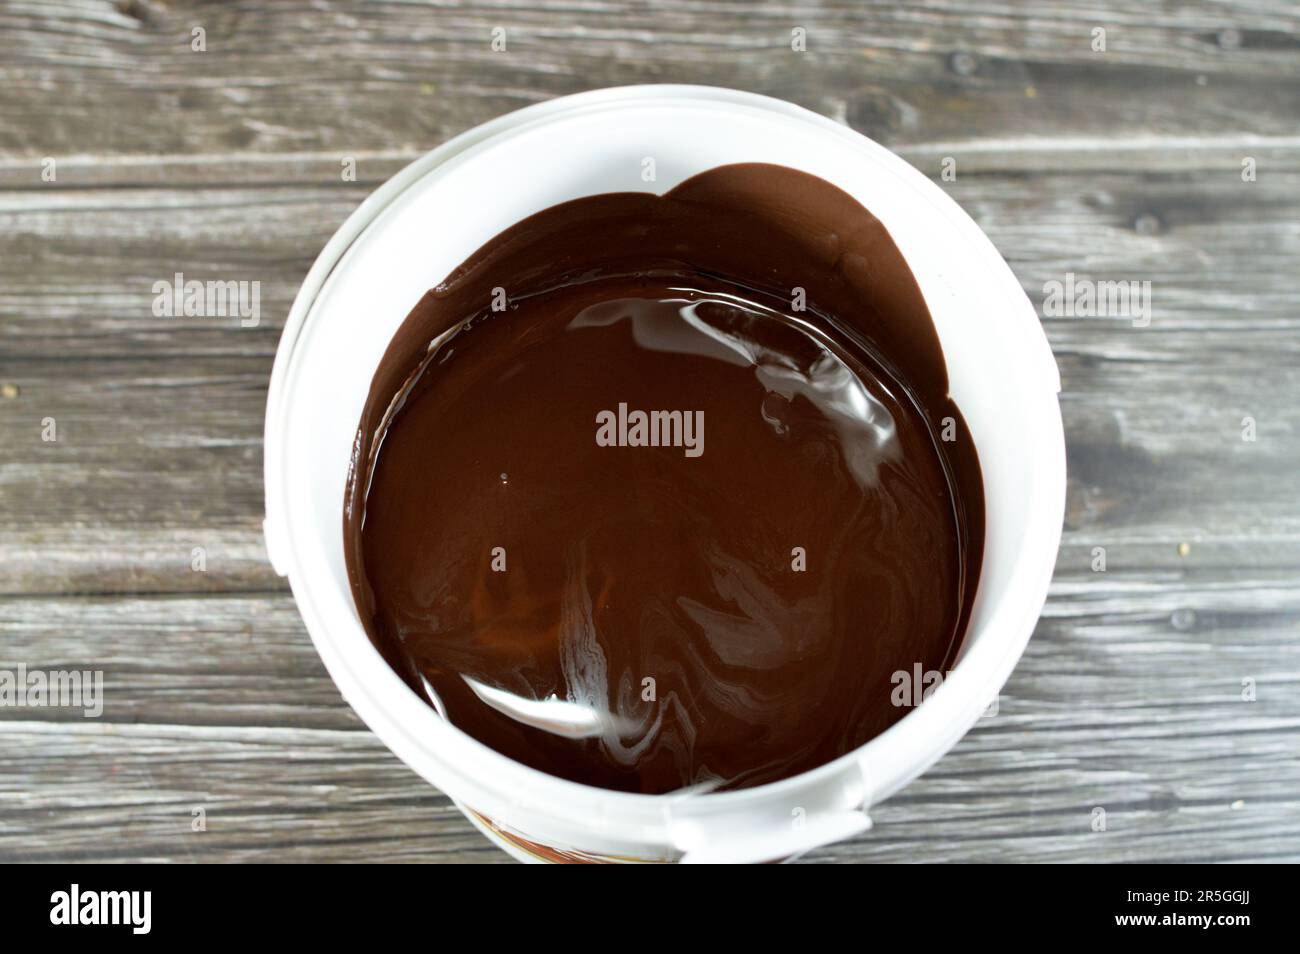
[[667, 491]]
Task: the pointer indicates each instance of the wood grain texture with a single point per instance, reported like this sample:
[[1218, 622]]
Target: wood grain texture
[[226, 164]]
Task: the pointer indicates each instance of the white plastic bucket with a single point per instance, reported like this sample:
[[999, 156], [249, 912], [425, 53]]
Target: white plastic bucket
[[412, 231]]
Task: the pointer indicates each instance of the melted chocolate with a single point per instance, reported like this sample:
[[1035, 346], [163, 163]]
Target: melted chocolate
[[716, 597]]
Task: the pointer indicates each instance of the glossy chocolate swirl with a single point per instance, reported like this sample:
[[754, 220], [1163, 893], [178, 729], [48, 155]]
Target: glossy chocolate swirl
[[653, 492]]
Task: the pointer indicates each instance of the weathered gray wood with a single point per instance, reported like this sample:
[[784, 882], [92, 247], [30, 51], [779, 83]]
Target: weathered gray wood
[[1220, 258], [226, 164], [299, 76], [1128, 699], [1153, 414]]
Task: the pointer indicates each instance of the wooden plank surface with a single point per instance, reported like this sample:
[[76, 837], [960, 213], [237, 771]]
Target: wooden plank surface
[[225, 164]]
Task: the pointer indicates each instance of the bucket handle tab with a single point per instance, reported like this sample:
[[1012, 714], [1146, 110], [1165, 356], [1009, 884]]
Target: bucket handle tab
[[780, 844]]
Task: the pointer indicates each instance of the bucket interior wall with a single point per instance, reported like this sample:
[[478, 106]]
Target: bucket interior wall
[[995, 372]]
